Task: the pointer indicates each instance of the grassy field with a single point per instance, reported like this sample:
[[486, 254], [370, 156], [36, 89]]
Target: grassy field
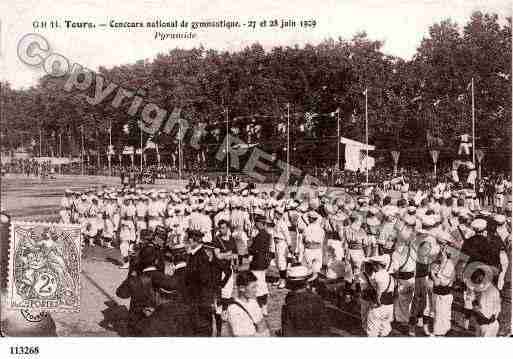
[[102, 313]]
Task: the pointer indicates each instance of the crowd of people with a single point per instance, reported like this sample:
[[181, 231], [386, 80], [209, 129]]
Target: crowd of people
[[195, 253]]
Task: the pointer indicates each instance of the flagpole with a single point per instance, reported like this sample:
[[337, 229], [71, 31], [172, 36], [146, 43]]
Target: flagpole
[[60, 151], [366, 137], [473, 127], [179, 150], [140, 144], [110, 147], [288, 141], [227, 139], [338, 139], [82, 149]]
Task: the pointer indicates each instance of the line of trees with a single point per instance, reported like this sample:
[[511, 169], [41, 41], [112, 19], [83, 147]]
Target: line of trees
[[408, 99]]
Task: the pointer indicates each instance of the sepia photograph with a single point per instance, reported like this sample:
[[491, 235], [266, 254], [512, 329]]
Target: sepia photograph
[[255, 169]]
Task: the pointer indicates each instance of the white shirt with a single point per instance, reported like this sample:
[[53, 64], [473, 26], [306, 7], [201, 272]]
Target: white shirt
[[314, 233], [240, 323], [490, 302]]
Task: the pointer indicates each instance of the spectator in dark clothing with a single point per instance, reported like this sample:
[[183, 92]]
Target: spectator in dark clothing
[[304, 313], [261, 258], [172, 317], [141, 286], [200, 284]]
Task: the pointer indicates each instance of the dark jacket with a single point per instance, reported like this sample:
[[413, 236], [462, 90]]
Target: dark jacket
[[200, 279], [304, 315], [171, 318], [142, 295], [260, 249]]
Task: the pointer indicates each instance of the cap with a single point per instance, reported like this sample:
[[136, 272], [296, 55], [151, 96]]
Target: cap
[[428, 221], [500, 219], [299, 273], [478, 225], [382, 259]]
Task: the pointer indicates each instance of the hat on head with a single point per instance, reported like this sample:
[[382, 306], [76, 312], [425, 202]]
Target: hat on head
[[480, 278], [382, 259], [478, 225], [373, 221], [260, 217], [428, 221], [500, 219], [299, 273], [194, 233], [485, 213]]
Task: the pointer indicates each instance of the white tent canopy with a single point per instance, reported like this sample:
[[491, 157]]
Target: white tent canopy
[[356, 153]]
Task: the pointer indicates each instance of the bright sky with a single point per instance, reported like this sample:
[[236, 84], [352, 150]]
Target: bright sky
[[400, 23]]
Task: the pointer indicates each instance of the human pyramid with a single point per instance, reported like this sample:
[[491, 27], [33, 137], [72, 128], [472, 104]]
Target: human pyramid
[[401, 260]]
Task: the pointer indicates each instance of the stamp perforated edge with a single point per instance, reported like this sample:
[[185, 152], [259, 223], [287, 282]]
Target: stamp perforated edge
[[10, 267]]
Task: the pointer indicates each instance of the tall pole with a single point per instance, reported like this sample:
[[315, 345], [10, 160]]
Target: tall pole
[[227, 140], [60, 151], [366, 137], [82, 149], [140, 146], [179, 150], [110, 147], [338, 139], [288, 141], [473, 127]]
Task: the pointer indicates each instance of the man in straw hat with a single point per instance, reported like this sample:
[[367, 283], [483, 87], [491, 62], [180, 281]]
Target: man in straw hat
[[304, 313]]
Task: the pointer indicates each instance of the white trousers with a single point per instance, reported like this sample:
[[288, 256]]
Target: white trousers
[[357, 256], [488, 330], [442, 305], [402, 304], [313, 259], [262, 288], [124, 246], [282, 251]]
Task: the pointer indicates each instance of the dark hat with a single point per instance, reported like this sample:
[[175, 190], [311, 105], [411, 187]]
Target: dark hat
[[146, 235], [194, 233], [260, 218], [147, 255]]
